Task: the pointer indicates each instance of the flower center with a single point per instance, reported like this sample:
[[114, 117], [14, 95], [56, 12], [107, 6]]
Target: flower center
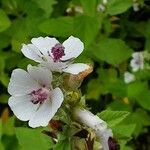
[[39, 96], [113, 145], [58, 52]]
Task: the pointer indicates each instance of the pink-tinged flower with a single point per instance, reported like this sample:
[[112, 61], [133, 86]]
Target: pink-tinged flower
[[33, 97], [50, 53]]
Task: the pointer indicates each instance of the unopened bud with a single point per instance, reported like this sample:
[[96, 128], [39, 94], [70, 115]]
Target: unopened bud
[[76, 80]]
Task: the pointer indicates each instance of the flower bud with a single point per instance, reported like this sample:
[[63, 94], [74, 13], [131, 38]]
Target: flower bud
[[76, 80]]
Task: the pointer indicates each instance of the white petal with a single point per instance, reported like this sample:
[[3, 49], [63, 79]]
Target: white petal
[[136, 55], [73, 48], [104, 138], [128, 77], [134, 65], [76, 68], [21, 83], [31, 52], [105, 1], [47, 109], [44, 44], [54, 66], [22, 107], [42, 75]]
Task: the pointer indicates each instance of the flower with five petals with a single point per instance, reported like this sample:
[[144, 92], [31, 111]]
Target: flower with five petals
[[33, 97], [50, 53]]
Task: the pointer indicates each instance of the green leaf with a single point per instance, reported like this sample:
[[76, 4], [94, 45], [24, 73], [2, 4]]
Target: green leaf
[[64, 139], [119, 105], [10, 142], [86, 28], [139, 91], [113, 51], [113, 117], [32, 139], [1, 146], [4, 21], [2, 65], [124, 131], [144, 99], [4, 40], [46, 5], [135, 89], [8, 126], [123, 143], [0, 129], [115, 7], [63, 145], [62, 27], [94, 89], [141, 115], [141, 118], [4, 98], [89, 7], [4, 79]]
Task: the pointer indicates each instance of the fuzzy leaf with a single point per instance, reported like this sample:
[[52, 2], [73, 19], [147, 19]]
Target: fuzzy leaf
[[32, 139], [62, 26], [113, 117], [4, 21], [113, 51], [115, 7]]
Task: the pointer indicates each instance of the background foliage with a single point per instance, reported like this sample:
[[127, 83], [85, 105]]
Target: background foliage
[[110, 38]]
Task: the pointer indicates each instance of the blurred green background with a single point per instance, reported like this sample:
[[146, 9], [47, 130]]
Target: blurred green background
[[110, 38]]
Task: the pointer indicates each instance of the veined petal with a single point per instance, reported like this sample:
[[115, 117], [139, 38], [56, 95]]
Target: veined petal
[[31, 52], [44, 44], [42, 75], [73, 48], [47, 109], [76, 68], [21, 83], [50, 64], [22, 107]]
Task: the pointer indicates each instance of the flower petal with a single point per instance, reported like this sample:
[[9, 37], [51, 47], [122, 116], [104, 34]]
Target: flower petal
[[22, 107], [47, 110], [136, 55], [134, 65], [31, 52], [50, 64], [21, 83], [105, 134], [76, 68], [128, 77], [42, 75], [44, 44], [73, 48]]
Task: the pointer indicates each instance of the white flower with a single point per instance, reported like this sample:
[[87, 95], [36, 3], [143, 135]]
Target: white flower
[[137, 62], [78, 9], [105, 2], [49, 52], [128, 77], [32, 97], [105, 137], [136, 6], [97, 124], [101, 8]]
